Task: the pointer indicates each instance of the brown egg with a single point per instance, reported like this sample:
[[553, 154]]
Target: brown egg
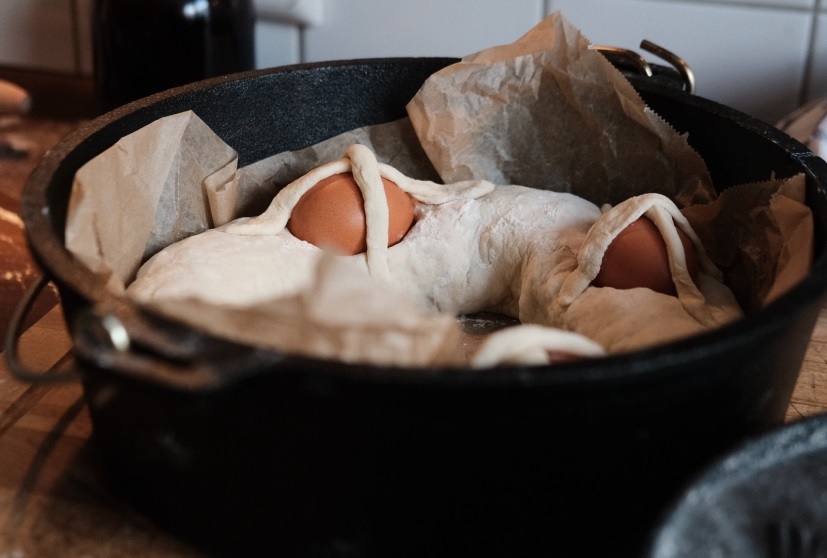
[[637, 257], [331, 215]]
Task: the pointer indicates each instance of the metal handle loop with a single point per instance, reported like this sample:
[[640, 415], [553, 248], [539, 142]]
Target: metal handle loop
[[643, 67], [636, 59], [12, 361], [679, 63]]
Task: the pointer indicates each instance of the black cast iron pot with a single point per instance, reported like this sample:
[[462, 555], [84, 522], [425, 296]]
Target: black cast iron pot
[[246, 452]]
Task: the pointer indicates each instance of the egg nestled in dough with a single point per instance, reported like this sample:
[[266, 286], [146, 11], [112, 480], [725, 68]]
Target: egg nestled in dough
[[638, 257], [331, 215]]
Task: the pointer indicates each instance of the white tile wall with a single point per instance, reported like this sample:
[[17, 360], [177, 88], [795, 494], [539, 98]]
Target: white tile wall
[[764, 57], [277, 44], [365, 28], [752, 59], [808, 4]]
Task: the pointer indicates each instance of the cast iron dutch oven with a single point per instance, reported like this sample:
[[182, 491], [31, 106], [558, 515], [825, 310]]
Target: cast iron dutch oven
[[246, 452]]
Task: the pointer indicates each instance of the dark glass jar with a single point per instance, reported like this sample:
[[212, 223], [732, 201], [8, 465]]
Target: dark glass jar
[[145, 46]]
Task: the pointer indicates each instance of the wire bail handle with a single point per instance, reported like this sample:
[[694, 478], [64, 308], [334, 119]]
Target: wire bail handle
[[645, 68]]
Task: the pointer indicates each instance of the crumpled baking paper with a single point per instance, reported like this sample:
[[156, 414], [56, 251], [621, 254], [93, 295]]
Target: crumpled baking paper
[[549, 112], [144, 193], [759, 235]]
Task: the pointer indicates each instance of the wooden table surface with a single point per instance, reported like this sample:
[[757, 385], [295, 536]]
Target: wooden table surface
[[53, 501]]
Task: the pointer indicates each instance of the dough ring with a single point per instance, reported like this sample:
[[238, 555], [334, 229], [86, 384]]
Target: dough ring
[[527, 253]]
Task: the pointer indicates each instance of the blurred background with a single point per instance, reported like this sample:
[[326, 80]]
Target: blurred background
[[764, 57]]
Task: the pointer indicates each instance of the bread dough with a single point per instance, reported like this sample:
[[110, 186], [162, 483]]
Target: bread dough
[[526, 253]]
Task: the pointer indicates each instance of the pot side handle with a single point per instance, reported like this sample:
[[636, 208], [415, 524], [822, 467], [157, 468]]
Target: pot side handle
[[15, 367]]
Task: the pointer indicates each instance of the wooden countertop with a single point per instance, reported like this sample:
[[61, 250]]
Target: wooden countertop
[[53, 501]]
